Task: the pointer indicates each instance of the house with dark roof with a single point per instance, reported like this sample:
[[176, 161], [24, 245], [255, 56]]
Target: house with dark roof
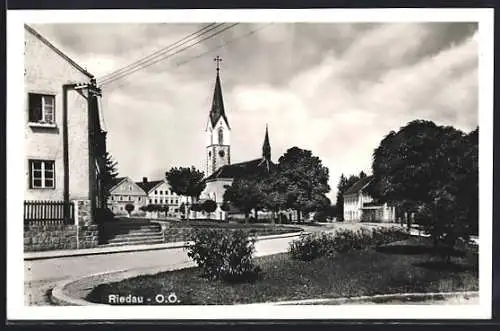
[[219, 171], [159, 192], [64, 144], [124, 191], [360, 206]]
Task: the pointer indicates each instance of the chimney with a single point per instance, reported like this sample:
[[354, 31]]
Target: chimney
[[144, 179]]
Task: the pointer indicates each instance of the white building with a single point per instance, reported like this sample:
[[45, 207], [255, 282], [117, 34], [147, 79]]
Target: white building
[[125, 191], [160, 193], [360, 207]]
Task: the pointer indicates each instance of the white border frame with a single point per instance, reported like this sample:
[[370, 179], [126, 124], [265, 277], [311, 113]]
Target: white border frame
[[15, 158]]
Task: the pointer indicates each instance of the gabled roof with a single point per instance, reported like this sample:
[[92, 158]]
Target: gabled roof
[[115, 182], [217, 111], [243, 169], [359, 185], [57, 51], [149, 186]]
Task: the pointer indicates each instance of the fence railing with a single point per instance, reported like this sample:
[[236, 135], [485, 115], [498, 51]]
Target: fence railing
[[48, 212]]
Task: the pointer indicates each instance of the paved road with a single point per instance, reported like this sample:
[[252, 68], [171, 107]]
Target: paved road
[[42, 275]]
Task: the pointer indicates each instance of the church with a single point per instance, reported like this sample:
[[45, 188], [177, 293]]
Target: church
[[219, 172]]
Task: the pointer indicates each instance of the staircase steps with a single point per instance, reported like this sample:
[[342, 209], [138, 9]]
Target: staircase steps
[[130, 232]]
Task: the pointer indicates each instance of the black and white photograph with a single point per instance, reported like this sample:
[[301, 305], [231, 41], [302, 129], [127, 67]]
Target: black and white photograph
[[234, 164]]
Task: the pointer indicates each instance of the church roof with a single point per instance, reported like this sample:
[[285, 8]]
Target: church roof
[[359, 185], [217, 111], [243, 169], [148, 186]]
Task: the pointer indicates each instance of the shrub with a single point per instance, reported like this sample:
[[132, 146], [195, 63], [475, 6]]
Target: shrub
[[209, 206], [312, 246], [224, 254], [129, 207], [196, 207]]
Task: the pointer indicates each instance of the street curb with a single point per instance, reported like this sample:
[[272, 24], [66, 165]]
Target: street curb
[[127, 249], [60, 297]]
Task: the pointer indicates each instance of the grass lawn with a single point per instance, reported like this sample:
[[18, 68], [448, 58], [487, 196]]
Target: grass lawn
[[358, 273]]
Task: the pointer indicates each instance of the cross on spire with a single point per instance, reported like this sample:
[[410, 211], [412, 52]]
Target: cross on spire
[[218, 60]]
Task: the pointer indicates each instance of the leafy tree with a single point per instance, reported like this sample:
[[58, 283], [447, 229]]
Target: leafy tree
[[302, 179], [129, 208], [209, 206], [432, 171], [243, 194], [186, 181]]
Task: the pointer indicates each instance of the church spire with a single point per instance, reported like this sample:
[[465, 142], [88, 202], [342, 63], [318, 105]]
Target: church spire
[[266, 147], [217, 110]]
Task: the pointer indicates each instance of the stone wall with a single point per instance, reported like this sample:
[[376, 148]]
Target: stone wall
[[39, 237], [44, 237], [88, 231]]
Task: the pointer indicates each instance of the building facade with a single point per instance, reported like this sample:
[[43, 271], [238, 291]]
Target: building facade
[[360, 206], [64, 137], [160, 193], [125, 191]]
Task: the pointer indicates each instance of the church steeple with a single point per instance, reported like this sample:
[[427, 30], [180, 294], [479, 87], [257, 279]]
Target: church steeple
[[218, 132], [266, 147], [217, 110]]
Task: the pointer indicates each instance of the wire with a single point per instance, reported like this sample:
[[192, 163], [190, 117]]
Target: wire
[[158, 52], [223, 45], [107, 81]]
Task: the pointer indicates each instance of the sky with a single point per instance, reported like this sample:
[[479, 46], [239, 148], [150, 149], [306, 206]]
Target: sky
[[335, 89]]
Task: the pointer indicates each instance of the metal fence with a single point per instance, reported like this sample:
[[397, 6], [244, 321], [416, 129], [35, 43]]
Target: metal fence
[[48, 212]]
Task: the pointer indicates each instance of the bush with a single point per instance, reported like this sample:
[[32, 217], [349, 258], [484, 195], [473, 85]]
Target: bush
[[209, 206], [311, 246], [226, 255], [129, 207]]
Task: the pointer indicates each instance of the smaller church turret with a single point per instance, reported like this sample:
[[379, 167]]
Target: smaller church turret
[[266, 147]]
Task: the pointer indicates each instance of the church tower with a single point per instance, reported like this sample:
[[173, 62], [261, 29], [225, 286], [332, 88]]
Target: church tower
[[218, 132]]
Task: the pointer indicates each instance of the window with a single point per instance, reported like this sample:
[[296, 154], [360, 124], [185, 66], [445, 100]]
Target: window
[[41, 108], [139, 198], [161, 201], [42, 174], [221, 136], [156, 192], [150, 200], [161, 192], [121, 198], [156, 201], [130, 187]]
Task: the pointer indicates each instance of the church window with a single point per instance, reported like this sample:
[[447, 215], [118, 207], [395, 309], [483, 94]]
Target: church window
[[221, 136], [209, 154], [221, 153]]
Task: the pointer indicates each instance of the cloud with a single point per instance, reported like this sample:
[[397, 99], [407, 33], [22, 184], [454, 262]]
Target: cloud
[[336, 89]]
